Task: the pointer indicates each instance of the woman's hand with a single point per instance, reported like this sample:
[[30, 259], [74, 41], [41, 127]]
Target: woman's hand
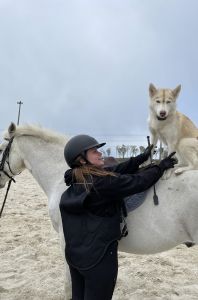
[[168, 162]]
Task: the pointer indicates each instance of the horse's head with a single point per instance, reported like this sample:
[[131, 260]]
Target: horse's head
[[11, 163]]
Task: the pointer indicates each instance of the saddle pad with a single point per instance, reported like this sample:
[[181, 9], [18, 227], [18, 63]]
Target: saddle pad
[[134, 201]]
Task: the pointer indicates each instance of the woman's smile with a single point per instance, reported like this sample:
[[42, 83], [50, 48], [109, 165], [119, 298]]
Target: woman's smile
[[95, 157]]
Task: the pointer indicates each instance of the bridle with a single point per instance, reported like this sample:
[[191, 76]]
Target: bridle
[[5, 159]]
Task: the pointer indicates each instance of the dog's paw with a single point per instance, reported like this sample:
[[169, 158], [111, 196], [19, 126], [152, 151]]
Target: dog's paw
[[179, 171]]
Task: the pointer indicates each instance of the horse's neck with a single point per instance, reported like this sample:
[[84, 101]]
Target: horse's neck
[[45, 161]]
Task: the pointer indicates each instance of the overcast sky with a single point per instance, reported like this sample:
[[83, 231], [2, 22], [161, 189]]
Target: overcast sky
[[84, 66]]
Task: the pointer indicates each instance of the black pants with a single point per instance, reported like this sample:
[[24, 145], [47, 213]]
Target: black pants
[[97, 283]]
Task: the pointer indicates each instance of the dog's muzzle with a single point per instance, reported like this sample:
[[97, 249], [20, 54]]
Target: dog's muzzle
[[161, 119], [162, 115]]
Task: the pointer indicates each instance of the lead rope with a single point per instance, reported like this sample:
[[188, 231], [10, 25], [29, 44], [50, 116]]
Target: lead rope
[[8, 187]]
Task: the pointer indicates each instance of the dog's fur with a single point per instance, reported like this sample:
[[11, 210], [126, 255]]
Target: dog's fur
[[173, 128]]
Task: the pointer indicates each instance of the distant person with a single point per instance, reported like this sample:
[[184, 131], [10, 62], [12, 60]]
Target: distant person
[[91, 212]]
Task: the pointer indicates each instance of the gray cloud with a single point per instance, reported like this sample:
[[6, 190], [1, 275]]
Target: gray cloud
[[85, 66]]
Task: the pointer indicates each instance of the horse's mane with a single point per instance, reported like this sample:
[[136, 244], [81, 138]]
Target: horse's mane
[[37, 131]]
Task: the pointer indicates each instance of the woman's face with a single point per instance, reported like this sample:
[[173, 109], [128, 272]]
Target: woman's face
[[95, 157]]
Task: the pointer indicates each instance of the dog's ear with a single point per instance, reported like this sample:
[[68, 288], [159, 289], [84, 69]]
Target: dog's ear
[[152, 90], [176, 91]]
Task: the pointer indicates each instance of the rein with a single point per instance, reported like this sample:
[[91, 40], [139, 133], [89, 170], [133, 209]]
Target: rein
[[9, 184], [2, 164]]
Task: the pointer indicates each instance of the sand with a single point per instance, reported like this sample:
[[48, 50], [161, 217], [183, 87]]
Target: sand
[[31, 263]]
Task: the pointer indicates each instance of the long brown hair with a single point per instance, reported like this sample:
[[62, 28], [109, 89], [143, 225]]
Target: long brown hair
[[83, 173]]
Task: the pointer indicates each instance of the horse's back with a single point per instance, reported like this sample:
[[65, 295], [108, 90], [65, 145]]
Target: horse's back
[[158, 228]]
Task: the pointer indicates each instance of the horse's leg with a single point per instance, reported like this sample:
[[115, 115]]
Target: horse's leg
[[67, 279], [57, 224]]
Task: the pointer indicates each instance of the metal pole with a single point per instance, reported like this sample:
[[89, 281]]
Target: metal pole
[[20, 103]]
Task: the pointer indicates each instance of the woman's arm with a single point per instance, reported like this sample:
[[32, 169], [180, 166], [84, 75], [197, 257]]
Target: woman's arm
[[126, 185], [129, 166], [132, 164], [123, 185]]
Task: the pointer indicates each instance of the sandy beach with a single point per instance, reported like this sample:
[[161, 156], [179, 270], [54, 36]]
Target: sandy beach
[[31, 263]]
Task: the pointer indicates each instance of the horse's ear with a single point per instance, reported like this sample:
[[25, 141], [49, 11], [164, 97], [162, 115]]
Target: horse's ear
[[176, 91], [11, 129], [152, 90]]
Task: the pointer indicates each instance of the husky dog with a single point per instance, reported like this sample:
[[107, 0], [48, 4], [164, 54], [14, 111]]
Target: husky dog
[[173, 128]]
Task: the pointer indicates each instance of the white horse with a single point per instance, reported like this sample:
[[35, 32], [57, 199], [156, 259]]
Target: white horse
[[152, 228]]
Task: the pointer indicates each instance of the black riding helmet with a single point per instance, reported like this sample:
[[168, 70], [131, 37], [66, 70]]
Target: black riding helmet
[[77, 145]]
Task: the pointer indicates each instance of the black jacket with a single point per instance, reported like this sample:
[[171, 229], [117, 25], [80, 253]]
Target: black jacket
[[91, 220]]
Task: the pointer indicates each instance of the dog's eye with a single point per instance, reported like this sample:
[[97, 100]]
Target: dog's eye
[[168, 101], [157, 101]]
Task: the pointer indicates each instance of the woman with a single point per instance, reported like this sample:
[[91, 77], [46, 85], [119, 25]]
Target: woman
[[91, 213]]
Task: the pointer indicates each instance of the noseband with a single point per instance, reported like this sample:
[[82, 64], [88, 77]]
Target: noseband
[[5, 159]]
